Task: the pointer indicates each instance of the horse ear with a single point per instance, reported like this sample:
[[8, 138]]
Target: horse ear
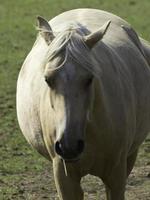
[[45, 29], [91, 39]]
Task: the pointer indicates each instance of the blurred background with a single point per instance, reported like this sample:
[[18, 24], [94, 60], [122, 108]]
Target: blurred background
[[24, 174]]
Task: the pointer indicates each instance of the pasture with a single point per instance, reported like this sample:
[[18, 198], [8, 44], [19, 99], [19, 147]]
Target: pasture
[[24, 174]]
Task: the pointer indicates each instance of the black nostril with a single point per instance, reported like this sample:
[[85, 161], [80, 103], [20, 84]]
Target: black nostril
[[58, 148], [80, 146], [70, 152]]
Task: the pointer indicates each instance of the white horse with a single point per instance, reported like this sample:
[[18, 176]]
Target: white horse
[[83, 99]]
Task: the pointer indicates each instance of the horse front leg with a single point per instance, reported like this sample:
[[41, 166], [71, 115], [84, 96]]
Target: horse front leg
[[115, 193], [116, 181], [68, 186]]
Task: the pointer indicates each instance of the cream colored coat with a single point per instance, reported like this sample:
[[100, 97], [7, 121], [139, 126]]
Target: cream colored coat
[[120, 118]]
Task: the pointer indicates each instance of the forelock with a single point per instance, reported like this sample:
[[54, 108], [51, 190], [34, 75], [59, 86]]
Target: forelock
[[72, 43]]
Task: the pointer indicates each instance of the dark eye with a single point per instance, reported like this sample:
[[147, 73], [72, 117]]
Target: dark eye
[[88, 82], [49, 81], [46, 79]]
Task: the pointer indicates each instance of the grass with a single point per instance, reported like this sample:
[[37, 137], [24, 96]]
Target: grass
[[23, 173]]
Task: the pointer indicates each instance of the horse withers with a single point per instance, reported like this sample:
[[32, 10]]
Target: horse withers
[[83, 99]]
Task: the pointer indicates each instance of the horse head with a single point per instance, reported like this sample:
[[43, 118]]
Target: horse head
[[69, 73]]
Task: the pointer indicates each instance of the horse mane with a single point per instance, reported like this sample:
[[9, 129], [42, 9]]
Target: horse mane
[[71, 42]]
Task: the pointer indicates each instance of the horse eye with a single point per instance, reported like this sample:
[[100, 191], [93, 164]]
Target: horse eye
[[88, 82], [46, 79], [49, 81]]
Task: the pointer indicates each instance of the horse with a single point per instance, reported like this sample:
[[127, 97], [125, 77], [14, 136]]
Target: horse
[[83, 98]]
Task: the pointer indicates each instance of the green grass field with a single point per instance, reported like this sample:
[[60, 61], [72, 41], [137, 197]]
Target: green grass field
[[24, 174]]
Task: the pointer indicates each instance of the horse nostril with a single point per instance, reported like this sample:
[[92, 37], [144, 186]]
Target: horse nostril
[[69, 152], [80, 146], [58, 148]]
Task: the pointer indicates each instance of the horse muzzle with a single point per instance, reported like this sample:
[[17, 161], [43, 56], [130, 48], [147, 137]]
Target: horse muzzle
[[69, 152]]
